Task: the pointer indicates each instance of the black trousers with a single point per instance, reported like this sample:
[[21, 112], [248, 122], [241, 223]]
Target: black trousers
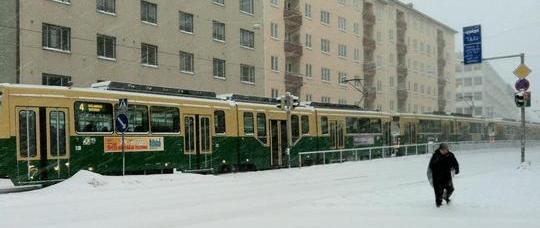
[[440, 186]]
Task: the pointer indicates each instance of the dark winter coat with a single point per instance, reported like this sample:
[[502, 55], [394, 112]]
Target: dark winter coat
[[441, 166]]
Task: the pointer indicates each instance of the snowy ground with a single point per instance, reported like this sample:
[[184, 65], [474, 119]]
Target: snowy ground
[[490, 192]]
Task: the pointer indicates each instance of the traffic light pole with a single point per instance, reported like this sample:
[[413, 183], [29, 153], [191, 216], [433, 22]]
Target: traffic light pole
[[522, 56]]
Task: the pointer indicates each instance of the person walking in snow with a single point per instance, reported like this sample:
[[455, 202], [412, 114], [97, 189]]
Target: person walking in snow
[[442, 166]]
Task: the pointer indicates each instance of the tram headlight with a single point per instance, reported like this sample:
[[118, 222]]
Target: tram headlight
[[90, 168], [67, 164], [224, 162], [56, 168]]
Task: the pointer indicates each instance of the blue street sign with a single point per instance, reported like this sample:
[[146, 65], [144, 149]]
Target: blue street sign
[[522, 84], [121, 123], [472, 44]]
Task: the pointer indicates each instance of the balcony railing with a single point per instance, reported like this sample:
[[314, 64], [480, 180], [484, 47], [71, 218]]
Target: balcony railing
[[402, 71], [369, 43], [293, 49], [401, 48], [293, 17], [370, 69], [401, 25], [369, 18]]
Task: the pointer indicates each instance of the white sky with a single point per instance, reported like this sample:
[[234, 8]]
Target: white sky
[[508, 27]]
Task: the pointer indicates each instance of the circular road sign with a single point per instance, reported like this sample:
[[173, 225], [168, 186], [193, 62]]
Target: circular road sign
[[121, 123], [522, 84]]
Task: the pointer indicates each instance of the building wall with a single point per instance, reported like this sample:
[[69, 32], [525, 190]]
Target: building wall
[[480, 87], [83, 65], [85, 23], [8, 44]]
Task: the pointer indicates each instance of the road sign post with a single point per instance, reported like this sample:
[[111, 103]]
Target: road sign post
[[122, 126]]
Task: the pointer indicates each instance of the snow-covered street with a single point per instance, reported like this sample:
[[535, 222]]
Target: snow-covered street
[[490, 192]]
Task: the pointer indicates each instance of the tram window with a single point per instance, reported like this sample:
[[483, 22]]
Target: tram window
[[205, 134], [352, 125], [261, 127], [189, 125], [137, 118], [475, 128], [27, 133], [219, 122], [295, 125], [93, 117], [164, 119], [364, 125], [324, 125], [305, 125], [248, 123], [1, 93], [376, 126], [57, 132]]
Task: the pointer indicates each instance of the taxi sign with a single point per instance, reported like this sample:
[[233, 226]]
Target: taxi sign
[[522, 71]]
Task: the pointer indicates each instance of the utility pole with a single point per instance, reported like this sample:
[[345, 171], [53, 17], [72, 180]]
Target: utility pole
[[522, 56]]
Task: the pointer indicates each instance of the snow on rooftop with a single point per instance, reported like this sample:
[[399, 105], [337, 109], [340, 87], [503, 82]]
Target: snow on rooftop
[[490, 192]]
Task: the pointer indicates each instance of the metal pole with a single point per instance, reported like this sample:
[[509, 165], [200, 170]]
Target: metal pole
[[289, 104], [523, 121], [123, 156]]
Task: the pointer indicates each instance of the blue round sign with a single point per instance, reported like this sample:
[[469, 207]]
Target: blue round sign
[[121, 123], [522, 84]]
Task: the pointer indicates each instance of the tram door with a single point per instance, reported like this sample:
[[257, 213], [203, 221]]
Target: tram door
[[337, 134], [42, 144], [198, 141], [278, 143]]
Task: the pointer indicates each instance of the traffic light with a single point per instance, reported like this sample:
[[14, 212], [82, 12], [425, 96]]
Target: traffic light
[[523, 99], [288, 101]]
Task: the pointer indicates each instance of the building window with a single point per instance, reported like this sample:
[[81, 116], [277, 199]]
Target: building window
[[246, 6], [391, 81], [308, 40], [342, 78], [186, 22], [63, 1], [309, 71], [325, 17], [220, 2], [342, 101], [149, 12], [106, 46], [275, 2], [56, 37], [219, 68], [357, 55], [342, 23], [356, 29], [467, 82], [108, 6], [477, 81], [478, 96], [275, 63], [309, 97], [55, 80], [247, 38], [342, 50], [186, 62], [219, 31], [274, 30], [307, 10], [149, 54], [325, 46], [325, 99], [325, 74], [275, 93], [341, 2], [247, 73]]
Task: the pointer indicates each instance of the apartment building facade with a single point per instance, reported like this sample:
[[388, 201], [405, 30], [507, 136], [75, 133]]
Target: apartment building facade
[[481, 91], [381, 54]]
